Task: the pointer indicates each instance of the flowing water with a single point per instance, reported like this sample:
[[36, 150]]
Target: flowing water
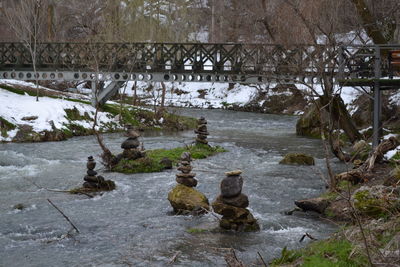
[[132, 225]]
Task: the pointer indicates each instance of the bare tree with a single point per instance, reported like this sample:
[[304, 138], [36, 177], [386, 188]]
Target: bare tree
[[25, 18]]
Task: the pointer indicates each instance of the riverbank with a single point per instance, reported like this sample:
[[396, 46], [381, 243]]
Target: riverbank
[[366, 206], [61, 115]]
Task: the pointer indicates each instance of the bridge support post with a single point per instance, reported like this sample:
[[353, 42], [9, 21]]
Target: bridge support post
[[377, 107], [94, 94]]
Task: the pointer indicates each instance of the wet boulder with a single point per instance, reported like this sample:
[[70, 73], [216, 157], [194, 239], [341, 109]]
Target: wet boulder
[[235, 218], [185, 199], [297, 159], [313, 204]]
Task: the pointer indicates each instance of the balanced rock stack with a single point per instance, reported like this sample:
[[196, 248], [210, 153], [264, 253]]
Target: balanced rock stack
[[130, 145], [201, 131], [94, 182], [184, 198], [186, 177], [232, 204]]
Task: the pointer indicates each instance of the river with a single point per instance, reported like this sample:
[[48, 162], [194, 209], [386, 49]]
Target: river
[[132, 225]]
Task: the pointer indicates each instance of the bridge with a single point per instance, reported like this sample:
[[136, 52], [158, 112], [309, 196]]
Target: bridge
[[201, 62]]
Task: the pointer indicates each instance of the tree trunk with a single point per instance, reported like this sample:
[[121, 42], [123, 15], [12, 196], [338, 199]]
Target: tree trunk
[[369, 23], [50, 22], [339, 114]]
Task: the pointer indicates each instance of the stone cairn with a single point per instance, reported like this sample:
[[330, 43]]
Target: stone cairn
[[201, 131], [232, 204], [131, 145], [183, 197], [94, 181], [186, 177]]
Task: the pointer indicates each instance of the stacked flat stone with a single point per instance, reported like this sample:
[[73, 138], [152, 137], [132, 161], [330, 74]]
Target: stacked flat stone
[[201, 131], [184, 198], [232, 204], [186, 177], [94, 181], [130, 145]]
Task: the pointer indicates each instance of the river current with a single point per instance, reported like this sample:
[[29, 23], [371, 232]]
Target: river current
[[132, 225]]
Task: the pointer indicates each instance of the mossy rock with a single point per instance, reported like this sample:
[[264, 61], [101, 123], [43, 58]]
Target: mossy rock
[[187, 199], [297, 159], [152, 161], [309, 124]]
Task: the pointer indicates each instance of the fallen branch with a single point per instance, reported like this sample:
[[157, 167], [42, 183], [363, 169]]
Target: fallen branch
[[56, 190], [212, 213], [65, 216], [173, 259], [379, 152], [232, 260], [262, 259], [307, 235]]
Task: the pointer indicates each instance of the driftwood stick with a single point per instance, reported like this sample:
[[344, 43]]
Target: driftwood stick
[[65, 216], [232, 260], [173, 259], [57, 190], [262, 259], [379, 152]]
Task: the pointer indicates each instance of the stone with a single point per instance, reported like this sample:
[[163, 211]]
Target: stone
[[185, 175], [132, 154], [90, 185], [202, 120], [198, 140], [313, 204], [235, 218], [91, 164], [240, 201], [91, 173], [202, 137], [186, 157], [132, 134], [167, 163], [29, 118], [297, 159], [191, 182], [202, 128], [130, 143], [184, 198], [101, 179], [92, 179], [185, 168], [202, 132], [233, 173], [185, 163], [231, 186]]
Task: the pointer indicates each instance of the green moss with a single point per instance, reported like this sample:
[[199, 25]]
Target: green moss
[[287, 256], [6, 126], [325, 253], [369, 204], [153, 157], [74, 115], [333, 253], [396, 156], [76, 130], [17, 91], [196, 230], [330, 195]]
